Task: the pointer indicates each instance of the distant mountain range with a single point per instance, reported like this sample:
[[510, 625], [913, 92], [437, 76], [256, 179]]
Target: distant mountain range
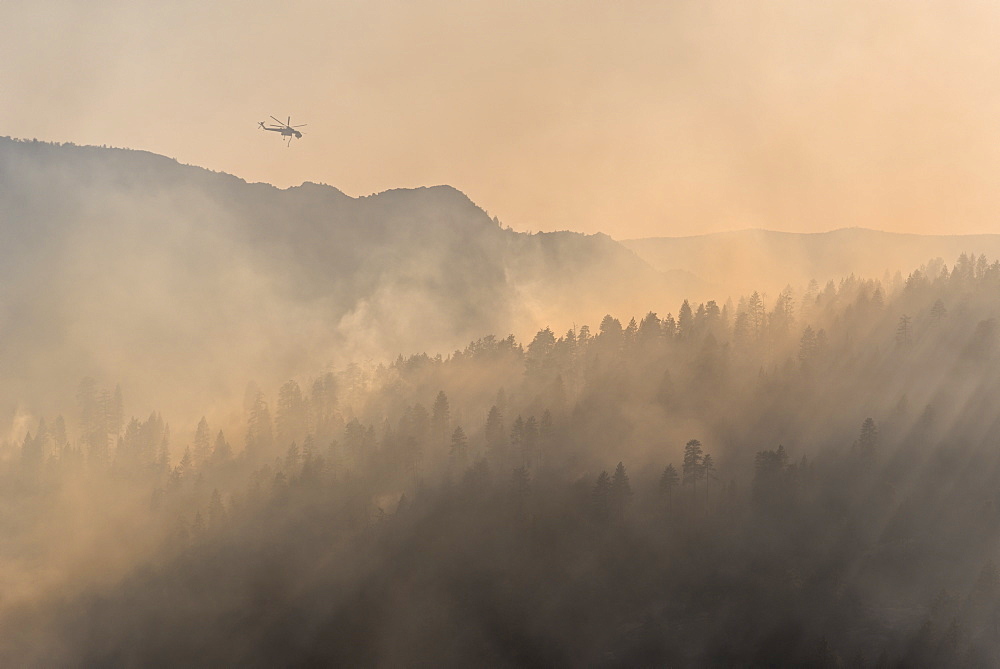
[[739, 262]]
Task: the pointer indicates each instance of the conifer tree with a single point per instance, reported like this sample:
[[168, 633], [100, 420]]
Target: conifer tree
[[495, 434], [868, 439], [685, 321], [693, 465], [516, 448], [708, 467], [259, 436], [291, 417], [621, 491], [600, 497], [186, 466], [938, 311], [807, 346], [222, 452], [529, 442], [668, 481], [650, 331], [440, 418], [459, 453], [202, 443], [903, 332]]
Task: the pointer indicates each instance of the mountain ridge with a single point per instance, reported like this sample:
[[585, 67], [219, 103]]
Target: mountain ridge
[[791, 233], [767, 260], [136, 262]]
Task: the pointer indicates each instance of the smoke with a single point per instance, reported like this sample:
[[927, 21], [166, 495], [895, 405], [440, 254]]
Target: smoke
[[402, 481]]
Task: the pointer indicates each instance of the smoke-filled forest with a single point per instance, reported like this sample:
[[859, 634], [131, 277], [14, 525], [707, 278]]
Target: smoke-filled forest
[[806, 479], [500, 334]]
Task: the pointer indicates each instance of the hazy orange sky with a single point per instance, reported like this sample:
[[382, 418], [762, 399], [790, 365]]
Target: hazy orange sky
[[632, 118]]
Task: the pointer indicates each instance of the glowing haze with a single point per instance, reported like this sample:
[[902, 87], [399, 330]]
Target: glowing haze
[[632, 118]]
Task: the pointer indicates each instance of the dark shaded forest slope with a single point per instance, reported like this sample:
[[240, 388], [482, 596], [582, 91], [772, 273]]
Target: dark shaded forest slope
[[129, 264]]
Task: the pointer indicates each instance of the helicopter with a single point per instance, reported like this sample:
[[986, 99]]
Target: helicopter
[[286, 129]]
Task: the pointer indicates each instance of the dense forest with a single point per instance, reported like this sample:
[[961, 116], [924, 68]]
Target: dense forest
[[806, 480]]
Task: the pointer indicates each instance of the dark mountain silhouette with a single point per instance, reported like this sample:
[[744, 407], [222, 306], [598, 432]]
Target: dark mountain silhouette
[[124, 262]]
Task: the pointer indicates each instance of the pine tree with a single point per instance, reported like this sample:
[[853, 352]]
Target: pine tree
[[714, 322], [610, 329], [537, 358], [440, 418], [164, 445], [459, 454], [685, 321], [259, 437], [650, 331], [222, 452], [59, 436], [868, 440], [938, 311], [186, 466], [903, 335], [783, 315], [668, 481], [770, 480], [600, 497], [529, 442], [198, 526], [693, 465], [517, 439], [878, 299], [631, 334], [495, 435], [291, 417], [202, 443], [621, 491], [163, 458], [93, 420], [293, 457], [669, 327], [354, 443], [807, 347], [756, 315], [708, 467]]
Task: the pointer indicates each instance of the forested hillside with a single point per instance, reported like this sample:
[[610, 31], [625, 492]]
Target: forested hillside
[[809, 480], [128, 264]]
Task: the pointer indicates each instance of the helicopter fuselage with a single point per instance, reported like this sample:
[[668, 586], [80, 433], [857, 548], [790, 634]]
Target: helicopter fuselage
[[285, 132]]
